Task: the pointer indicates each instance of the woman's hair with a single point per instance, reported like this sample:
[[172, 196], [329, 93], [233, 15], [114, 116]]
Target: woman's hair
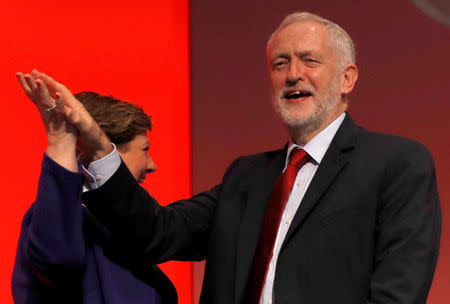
[[121, 121]]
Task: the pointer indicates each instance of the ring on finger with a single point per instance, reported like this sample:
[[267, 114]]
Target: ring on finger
[[50, 108]]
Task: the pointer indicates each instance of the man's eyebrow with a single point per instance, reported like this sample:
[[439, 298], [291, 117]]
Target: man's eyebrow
[[301, 54], [282, 56], [304, 54]]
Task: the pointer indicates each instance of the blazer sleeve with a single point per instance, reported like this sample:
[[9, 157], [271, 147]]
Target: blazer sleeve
[[142, 228], [408, 230], [52, 244]]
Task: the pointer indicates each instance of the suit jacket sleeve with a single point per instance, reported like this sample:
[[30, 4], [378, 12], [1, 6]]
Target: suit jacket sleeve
[[408, 229], [142, 228], [51, 244]]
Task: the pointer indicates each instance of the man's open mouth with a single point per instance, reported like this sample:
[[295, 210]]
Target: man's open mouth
[[297, 94]]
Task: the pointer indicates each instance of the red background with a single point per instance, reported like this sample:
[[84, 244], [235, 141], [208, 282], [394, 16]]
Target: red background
[[137, 51]]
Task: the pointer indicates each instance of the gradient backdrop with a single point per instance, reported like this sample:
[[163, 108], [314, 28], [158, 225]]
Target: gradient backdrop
[[139, 51]]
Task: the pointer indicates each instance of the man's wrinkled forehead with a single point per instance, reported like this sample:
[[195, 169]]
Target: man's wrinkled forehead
[[309, 36]]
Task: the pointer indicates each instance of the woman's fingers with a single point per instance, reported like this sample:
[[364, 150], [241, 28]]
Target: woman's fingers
[[27, 83], [31, 82], [46, 101], [23, 83], [36, 90]]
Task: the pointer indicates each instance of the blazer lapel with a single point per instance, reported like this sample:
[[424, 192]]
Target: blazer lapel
[[335, 159], [257, 194]]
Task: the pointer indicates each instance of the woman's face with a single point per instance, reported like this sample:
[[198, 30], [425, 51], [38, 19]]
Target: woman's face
[[136, 157]]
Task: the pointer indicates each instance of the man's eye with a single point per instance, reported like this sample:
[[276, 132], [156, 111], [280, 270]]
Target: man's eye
[[279, 64]]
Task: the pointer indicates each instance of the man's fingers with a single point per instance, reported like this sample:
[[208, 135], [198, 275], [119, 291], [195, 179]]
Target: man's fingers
[[52, 85], [35, 73], [73, 118], [53, 93], [38, 75], [60, 108], [55, 86]]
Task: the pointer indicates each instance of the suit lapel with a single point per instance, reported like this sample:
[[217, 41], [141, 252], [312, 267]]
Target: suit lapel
[[257, 194], [335, 159]]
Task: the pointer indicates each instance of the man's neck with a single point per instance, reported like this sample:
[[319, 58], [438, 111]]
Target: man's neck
[[302, 136]]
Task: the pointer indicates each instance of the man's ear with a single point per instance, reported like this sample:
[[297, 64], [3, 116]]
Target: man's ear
[[349, 78]]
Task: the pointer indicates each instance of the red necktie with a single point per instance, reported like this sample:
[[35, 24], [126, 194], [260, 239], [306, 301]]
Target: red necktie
[[272, 218]]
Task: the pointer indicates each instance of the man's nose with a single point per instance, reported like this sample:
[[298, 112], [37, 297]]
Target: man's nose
[[151, 166], [295, 72]]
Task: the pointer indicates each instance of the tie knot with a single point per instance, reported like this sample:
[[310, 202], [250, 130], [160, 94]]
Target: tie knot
[[298, 158]]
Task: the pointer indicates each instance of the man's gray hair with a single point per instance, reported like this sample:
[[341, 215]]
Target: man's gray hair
[[340, 40]]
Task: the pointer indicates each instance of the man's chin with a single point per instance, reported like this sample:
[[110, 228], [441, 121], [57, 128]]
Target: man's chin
[[300, 124], [297, 123], [297, 118]]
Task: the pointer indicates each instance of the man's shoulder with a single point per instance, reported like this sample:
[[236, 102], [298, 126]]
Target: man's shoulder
[[392, 147], [265, 156], [254, 164], [350, 133], [390, 141]]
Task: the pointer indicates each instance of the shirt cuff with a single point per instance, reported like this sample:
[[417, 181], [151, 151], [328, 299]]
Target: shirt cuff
[[101, 170]]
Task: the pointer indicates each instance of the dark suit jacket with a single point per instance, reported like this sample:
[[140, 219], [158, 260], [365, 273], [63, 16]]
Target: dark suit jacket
[[367, 230], [59, 258]]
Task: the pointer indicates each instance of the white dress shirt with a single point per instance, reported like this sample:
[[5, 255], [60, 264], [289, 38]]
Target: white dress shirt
[[99, 171], [316, 148]]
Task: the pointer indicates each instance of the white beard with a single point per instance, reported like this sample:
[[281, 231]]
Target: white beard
[[302, 126]]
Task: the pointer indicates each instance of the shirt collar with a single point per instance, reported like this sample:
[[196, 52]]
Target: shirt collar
[[319, 144]]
